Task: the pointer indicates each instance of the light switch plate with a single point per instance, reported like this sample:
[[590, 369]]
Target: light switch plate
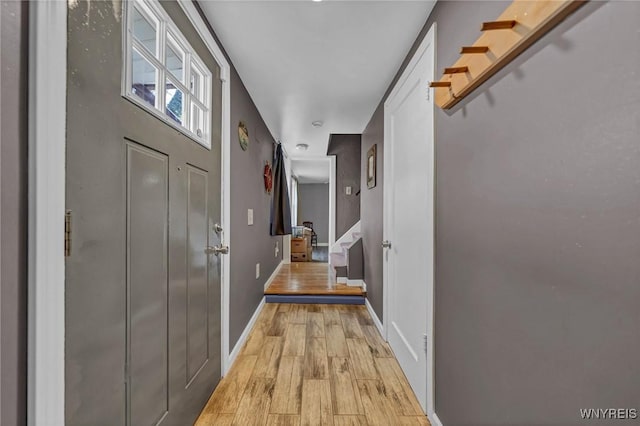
[[277, 250], [250, 217], [347, 190], [257, 271]]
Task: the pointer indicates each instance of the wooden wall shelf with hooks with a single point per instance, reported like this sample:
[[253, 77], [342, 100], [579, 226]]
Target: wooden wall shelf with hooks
[[517, 28]]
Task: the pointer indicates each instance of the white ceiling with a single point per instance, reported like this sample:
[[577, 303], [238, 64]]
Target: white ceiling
[[310, 170], [303, 61]]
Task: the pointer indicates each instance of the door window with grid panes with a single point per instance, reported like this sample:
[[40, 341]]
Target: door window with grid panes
[[162, 72]]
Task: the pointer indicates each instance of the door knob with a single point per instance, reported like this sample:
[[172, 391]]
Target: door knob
[[217, 250], [386, 244]]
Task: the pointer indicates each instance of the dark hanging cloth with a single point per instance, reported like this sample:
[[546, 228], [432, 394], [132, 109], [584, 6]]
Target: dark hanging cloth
[[280, 206]]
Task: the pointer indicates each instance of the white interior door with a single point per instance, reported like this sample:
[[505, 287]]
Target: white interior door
[[408, 223]]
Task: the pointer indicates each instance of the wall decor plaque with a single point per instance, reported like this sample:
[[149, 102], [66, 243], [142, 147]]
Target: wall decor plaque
[[243, 135]]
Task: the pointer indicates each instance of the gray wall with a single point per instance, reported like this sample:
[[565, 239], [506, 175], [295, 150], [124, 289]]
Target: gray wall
[[537, 223], [371, 211], [346, 148], [249, 244], [313, 206], [13, 212]]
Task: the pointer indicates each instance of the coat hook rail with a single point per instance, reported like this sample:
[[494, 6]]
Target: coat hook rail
[[440, 84], [474, 49], [532, 19], [498, 25], [456, 70]]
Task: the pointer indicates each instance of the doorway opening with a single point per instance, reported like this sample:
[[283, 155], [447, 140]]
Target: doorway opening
[[312, 212], [308, 277]]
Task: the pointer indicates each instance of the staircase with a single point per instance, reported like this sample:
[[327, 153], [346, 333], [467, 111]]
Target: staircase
[[346, 258]]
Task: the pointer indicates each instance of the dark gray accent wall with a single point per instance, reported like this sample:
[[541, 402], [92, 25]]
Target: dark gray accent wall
[[313, 206], [371, 202], [249, 244], [14, 27], [346, 148], [537, 223]]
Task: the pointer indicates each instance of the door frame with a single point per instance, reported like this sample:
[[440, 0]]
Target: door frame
[[429, 40], [331, 163], [47, 203]]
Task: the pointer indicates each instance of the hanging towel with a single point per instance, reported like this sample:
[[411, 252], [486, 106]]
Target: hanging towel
[[280, 206]]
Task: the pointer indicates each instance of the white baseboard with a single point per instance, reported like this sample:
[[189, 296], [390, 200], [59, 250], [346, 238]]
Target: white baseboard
[[274, 274], [243, 337], [355, 283], [322, 244], [341, 280], [434, 419], [375, 318]]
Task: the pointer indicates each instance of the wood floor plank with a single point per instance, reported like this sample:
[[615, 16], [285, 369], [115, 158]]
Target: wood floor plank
[[316, 364], [226, 397], [316, 403], [255, 341], [395, 380], [349, 420], [278, 324], [254, 405], [287, 393], [269, 358], [298, 314], [294, 341], [331, 316], [351, 325], [374, 403], [285, 307], [413, 421], [314, 308], [217, 419], [363, 365], [269, 310], [336, 342], [379, 348], [363, 316], [344, 391], [283, 420], [315, 324]]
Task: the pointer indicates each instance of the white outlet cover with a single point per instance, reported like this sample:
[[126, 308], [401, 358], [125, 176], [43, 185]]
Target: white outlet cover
[[257, 271], [250, 217]]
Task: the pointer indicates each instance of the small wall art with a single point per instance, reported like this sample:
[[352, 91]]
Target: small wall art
[[371, 167], [243, 135]]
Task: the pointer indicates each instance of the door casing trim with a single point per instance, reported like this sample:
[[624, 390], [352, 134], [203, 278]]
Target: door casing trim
[[331, 163], [46, 262], [225, 76], [429, 40], [47, 180]]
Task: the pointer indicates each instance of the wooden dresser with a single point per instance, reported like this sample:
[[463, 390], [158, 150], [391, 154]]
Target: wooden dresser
[[301, 245]]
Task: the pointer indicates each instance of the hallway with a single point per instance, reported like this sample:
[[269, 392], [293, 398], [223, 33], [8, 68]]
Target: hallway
[[313, 364]]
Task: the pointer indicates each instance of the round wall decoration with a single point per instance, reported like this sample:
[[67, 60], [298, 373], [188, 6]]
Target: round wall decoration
[[268, 178], [243, 135]]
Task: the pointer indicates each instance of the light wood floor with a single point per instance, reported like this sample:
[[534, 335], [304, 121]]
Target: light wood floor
[[314, 365], [308, 278]]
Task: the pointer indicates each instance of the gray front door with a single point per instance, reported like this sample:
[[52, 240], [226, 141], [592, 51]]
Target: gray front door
[[142, 343]]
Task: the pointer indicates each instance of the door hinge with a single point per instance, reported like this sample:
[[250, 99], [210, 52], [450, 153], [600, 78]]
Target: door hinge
[[425, 343], [67, 233]]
